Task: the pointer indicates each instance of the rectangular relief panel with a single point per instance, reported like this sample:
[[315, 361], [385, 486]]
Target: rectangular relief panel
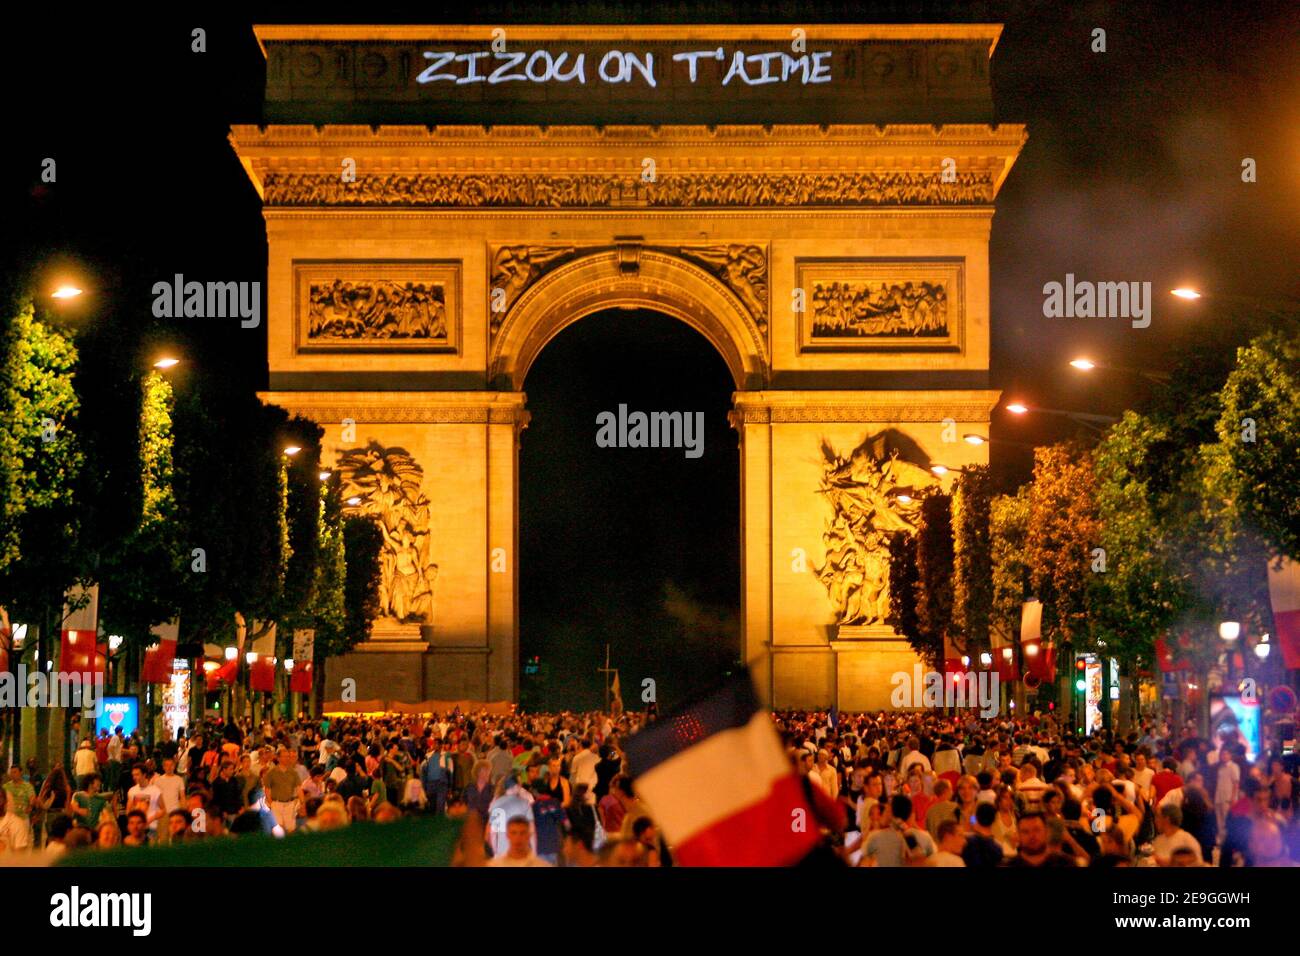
[[385, 306], [882, 305]]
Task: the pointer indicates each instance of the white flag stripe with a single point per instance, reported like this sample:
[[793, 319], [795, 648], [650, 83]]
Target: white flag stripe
[[717, 778]]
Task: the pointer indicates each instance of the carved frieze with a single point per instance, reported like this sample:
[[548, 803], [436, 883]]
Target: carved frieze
[[741, 267], [371, 307], [874, 494], [712, 190], [385, 484], [881, 304]]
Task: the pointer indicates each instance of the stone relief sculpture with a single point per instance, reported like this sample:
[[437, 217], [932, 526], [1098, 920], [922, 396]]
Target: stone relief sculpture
[[381, 309], [885, 188], [879, 309], [387, 481], [864, 492], [743, 268], [514, 268]]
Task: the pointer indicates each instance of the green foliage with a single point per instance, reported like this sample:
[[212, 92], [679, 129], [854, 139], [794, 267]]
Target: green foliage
[[1263, 473], [38, 517], [972, 582], [362, 542], [934, 569], [1062, 532], [1010, 575], [902, 594]]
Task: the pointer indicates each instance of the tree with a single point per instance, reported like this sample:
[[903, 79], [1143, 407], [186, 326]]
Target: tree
[[1010, 574], [41, 459], [1259, 433], [972, 581], [902, 595], [934, 569]]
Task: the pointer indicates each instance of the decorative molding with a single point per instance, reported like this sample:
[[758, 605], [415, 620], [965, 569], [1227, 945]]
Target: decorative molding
[[741, 267], [876, 304], [369, 306], [582, 191], [861, 414]]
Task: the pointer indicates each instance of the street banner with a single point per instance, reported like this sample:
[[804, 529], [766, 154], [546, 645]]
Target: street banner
[[1284, 594], [79, 650], [157, 666]]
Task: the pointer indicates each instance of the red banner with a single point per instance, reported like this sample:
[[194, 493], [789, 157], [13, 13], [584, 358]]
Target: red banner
[[79, 654], [1004, 662], [261, 674], [300, 680], [157, 667], [1040, 659], [225, 674]]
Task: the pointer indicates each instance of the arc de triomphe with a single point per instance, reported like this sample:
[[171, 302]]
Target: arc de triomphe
[[816, 201]]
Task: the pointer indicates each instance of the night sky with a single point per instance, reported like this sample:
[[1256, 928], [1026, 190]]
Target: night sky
[[1131, 173]]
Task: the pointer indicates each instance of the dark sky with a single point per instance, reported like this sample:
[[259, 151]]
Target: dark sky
[[1131, 173]]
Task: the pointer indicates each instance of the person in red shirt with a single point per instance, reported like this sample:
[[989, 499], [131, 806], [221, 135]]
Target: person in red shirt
[[1167, 779], [101, 749]]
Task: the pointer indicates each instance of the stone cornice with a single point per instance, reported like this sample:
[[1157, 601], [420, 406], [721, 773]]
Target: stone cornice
[[911, 135], [494, 408], [960, 405]]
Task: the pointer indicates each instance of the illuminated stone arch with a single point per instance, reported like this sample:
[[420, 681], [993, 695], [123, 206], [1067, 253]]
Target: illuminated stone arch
[[628, 279]]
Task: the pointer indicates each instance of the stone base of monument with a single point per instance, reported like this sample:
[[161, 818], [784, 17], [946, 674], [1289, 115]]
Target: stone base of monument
[[391, 637], [866, 659]]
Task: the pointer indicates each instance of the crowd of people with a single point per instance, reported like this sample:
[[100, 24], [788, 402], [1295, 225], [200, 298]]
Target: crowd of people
[[929, 790], [889, 789]]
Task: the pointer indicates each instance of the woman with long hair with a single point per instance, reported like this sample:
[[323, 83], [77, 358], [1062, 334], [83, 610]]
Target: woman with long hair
[[55, 796]]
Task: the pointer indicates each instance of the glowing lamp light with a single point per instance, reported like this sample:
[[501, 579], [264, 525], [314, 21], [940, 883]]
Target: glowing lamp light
[[1006, 653], [325, 476], [965, 661], [114, 642], [1083, 364], [210, 666], [1230, 630], [354, 501], [167, 363], [292, 450], [65, 292], [939, 470], [231, 653], [19, 635], [251, 657], [1017, 408], [72, 637], [905, 499], [1185, 293], [288, 665], [1261, 651], [1031, 650], [974, 439], [986, 659]]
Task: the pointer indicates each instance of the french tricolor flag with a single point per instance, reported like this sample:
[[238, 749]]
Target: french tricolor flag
[[719, 784]]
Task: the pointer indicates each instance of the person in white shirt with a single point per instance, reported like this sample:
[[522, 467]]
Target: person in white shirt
[[911, 755], [170, 786], [144, 796], [15, 833], [951, 842], [582, 768], [1172, 837], [519, 851], [1226, 787], [84, 762]]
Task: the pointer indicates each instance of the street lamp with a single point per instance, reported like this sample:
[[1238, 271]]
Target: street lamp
[[167, 362], [231, 653], [354, 501], [325, 476], [65, 292], [292, 450], [1230, 630], [1088, 419], [1185, 292], [1087, 365], [974, 439]]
